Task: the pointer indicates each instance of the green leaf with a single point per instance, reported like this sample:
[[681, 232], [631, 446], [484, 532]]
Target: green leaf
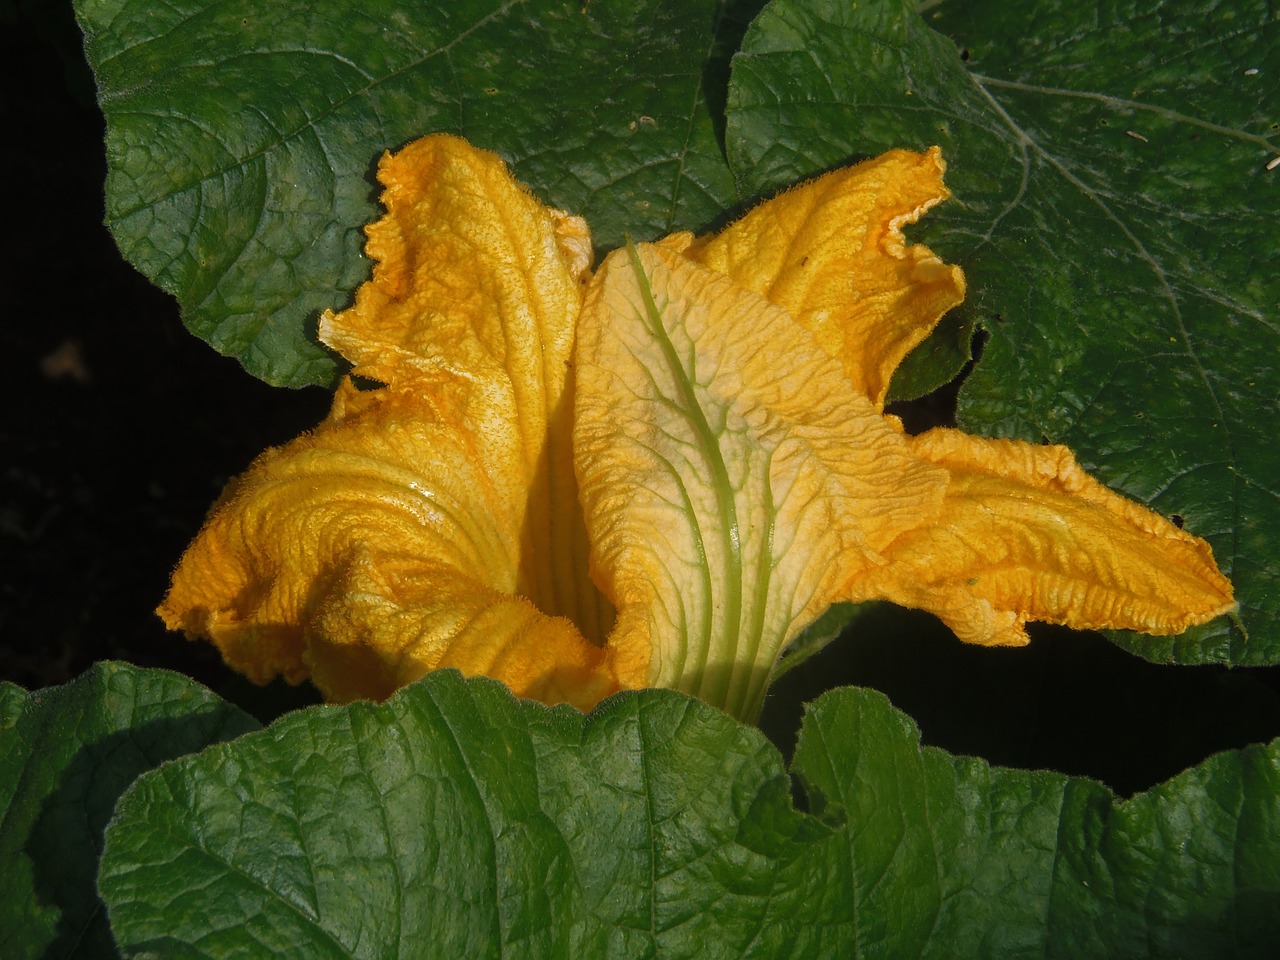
[[456, 821], [1021, 707], [241, 138], [950, 857], [66, 755], [1115, 216]]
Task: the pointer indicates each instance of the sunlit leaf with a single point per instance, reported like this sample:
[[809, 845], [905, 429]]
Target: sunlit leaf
[[456, 821]]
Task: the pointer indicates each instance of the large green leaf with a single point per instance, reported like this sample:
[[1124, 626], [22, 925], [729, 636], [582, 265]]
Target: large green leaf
[[66, 755], [241, 137], [950, 857], [1115, 216], [457, 821]]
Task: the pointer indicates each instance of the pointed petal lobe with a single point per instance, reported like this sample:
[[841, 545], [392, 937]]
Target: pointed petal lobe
[[1025, 534], [831, 253]]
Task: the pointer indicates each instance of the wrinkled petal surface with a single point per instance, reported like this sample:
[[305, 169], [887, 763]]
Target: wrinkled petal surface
[[1022, 533], [831, 253], [433, 521], [728, 485], [1025, 534], [475, 300]]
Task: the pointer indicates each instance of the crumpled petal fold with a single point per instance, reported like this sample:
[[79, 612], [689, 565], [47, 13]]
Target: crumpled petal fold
[[434, 520], [832, 254]]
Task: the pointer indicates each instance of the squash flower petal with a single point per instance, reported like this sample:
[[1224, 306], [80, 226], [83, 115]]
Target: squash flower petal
[[728, 488], [832, 254], [475, 301], [433, 521], [693, 436], [735, 486], [1025, 534]]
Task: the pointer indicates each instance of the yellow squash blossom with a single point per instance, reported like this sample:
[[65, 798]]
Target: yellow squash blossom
[[654, 475]]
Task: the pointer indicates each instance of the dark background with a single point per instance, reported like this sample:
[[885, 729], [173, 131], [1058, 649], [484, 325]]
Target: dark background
[[119, 429], [118, 426]]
